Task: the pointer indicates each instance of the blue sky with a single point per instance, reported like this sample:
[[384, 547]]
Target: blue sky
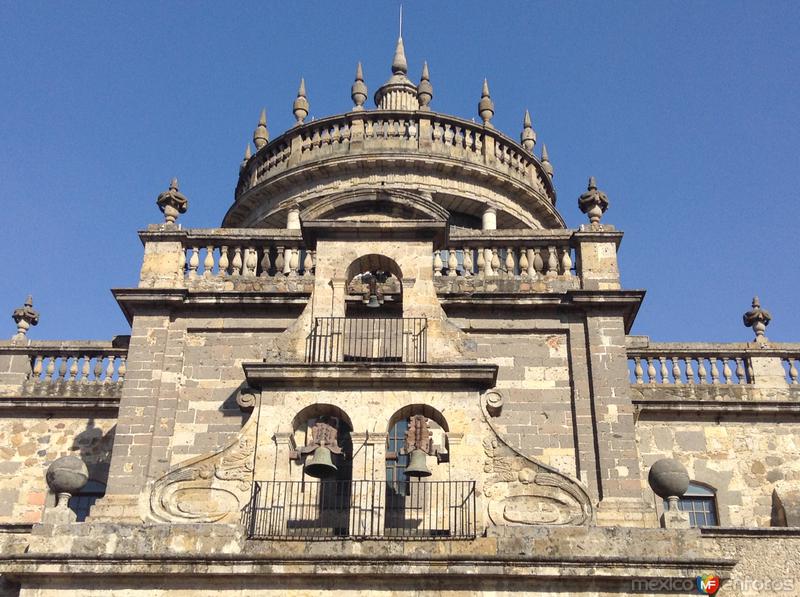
[[686, 112]]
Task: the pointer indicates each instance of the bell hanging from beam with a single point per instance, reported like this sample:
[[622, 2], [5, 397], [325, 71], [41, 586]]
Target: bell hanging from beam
[[373, 301], [417, 467], [321, 464]]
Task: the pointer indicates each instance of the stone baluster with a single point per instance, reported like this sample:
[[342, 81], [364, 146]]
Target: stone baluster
[[702, 374], [689, 371], [792, 371], [109, 370], [637, 370], [726, 370], [62, 368], [51, 368], [36, 371], [467, 261], [265, 262], [85, 368], [223, 261], [438, 264], [651, 371], [510, 271], [676, 371], [523, 262], [73, 369], [452, 262], [664, 370], [194, 262], [749, 367], [123, 369], [495, 262], [566, 263], [487, 257], [308, 263], [208, 262], [740, 371], [552, 262], [236, 264], [98, 367], [714, 371], [481, 262], [279, 260], [287, 260], [251, 262], [538, 262]]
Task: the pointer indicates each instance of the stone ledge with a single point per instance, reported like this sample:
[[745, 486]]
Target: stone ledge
[[752, 532], [718, 407], [371, 374], [108, 404]]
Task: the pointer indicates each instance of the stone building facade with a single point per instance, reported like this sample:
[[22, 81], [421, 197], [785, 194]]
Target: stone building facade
[[393, 368]]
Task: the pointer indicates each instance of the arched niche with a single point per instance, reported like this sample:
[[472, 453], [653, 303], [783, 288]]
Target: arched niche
[[304, 420], [396, 461], [389, 286]]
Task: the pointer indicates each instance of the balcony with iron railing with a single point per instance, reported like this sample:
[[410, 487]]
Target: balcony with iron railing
[[337, 509], [368, 340]]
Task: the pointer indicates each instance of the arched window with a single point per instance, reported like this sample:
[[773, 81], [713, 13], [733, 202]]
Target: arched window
[[700, 502], [82, 502]]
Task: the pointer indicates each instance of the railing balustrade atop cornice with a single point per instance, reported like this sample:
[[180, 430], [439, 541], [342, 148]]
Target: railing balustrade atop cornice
[[382, 130], [676, 364], [40, 368]]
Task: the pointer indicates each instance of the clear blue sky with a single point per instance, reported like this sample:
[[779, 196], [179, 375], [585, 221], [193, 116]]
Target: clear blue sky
[[687, 113]]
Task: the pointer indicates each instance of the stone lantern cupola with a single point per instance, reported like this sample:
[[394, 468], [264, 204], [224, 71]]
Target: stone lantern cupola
[[398, 93]]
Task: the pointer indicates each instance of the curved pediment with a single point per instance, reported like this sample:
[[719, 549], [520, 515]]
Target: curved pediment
[[375, 206]]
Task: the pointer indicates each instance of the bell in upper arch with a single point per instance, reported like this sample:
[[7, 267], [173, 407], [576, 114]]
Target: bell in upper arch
[[321, 466], [417, 466]]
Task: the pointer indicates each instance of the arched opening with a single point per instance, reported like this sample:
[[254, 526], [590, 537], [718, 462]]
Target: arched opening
[[416, 444], [700, 502], [374, 287], [322, 498]]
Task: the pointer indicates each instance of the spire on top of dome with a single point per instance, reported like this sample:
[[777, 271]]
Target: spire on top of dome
[[399, 63], [486, 105], [247, 155], [261, 134], [300, 105], [546, 165], [359, 89], [528, 135], [425, 89]]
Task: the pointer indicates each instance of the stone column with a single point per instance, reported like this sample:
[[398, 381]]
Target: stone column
[[369, 477], [489, 218], [293, 218]]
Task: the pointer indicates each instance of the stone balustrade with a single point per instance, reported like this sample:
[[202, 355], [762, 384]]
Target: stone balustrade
[[383, 131], [542, 254], [65, 368], [712, 364], [257, 255]]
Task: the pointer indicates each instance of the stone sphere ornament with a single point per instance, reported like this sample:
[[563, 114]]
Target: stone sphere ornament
[[668, 478], [67, 474]]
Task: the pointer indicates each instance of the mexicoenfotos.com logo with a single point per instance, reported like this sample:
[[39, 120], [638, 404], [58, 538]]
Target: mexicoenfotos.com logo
[[708, 584]]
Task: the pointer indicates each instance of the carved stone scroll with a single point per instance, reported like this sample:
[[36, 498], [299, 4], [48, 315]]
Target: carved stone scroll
[[209, 488], [522, 491]]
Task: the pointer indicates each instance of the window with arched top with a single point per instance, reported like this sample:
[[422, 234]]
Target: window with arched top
[[700, 502]]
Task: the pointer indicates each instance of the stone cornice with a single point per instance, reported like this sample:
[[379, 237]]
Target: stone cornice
[[680, 409], [370, 374], [108, 405]]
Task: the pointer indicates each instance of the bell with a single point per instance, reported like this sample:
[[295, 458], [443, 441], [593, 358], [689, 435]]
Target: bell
[[373, 301], [417, 467], [321, 466]]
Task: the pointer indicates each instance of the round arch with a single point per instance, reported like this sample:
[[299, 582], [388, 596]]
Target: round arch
[[419, 409], [321, 410]]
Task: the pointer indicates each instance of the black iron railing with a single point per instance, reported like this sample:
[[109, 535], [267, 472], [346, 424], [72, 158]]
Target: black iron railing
[[368, 340], [361, 509]]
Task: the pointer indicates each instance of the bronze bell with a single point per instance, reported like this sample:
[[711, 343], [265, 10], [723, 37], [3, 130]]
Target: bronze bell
[[417, 466], [321, 465]]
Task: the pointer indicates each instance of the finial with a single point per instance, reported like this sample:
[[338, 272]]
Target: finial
[[247, 155], [486, 105], [425, 89], [261, 134], [300, 105], [359, 90], [593, 203], [528, 135], [25, 317], [172, 202], [758, 319], [399, 64], [546, 165]]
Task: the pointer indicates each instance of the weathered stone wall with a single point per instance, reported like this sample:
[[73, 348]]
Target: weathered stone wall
[[29, 444], [744, 460]]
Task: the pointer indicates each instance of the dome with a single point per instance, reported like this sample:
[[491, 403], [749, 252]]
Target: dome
[[402, 146]]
